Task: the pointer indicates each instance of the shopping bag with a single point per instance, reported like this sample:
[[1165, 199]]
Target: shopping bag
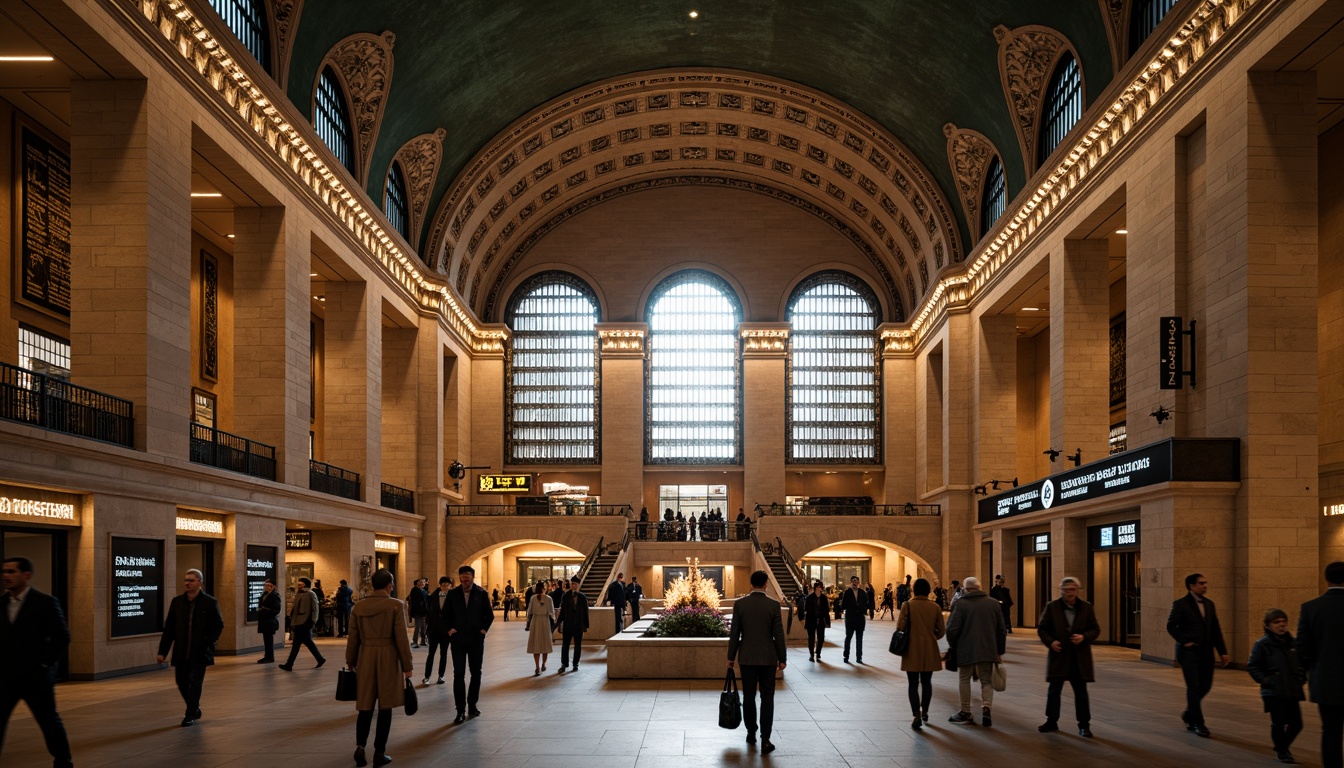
[[1000, 679], [730, 703], [346, 685]]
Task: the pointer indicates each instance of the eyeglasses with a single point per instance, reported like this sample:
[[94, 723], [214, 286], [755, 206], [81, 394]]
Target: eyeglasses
[[1201, 583]]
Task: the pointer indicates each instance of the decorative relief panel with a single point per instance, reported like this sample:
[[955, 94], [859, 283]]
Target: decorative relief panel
[[284, 22], [1027, 57], [419, 159], [364, 64], [969, 153], [1115, 15]]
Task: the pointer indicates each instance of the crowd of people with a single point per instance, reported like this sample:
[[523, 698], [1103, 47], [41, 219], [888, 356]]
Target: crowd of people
[[710, 525]]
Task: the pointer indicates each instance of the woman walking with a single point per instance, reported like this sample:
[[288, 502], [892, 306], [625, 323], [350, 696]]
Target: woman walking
[[380, 653], [540, 635], [888, 602], [922, 620]]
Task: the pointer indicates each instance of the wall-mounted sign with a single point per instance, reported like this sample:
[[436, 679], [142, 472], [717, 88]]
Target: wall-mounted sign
[[1187, 459], [1040, 543], [137, 586], [386, 545], [1115, 535], [42, 263], [504, 483], [261, 565], [36, 506], [195, 524], [1332, 510], [564, 489], [298, 539]]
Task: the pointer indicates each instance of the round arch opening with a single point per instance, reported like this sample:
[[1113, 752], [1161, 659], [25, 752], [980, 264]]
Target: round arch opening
[[872, 560], [522, 562]]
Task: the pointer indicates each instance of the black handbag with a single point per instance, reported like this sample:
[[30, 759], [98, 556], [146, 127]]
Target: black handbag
[[412, 701], [900, 642], [346, 685], [950, 663], [730, 703]]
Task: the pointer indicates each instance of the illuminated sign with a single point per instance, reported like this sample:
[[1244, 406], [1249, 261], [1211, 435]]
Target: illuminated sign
[[137, 586], [205, 526], [37, 510], [261, 566], [504, 483], [387, 545], [1041, 542], [1115, 535], [1332, 510], [565, 489], [298, 539]]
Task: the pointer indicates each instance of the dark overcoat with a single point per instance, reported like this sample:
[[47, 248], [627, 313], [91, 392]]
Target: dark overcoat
[[1054, 626]]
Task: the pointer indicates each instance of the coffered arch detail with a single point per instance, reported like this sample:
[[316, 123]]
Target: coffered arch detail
[[969, 153], [689, 127], [363, 63], [1027, 58]]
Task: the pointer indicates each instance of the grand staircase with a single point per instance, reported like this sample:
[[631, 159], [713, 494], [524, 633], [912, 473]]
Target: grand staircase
[[598, 574], [784, 571]]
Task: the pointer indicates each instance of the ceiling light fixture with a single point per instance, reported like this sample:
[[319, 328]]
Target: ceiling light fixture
[[694, 14], [312, 274], [26, 58], [229, 236], [207, 194], [1122, 231], [1031, 309]]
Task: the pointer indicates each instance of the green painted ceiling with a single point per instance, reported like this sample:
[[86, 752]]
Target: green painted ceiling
[[472, 67]]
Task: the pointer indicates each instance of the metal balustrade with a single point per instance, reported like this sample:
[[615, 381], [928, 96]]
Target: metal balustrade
[[217, 448], [400, 499], [325, 478], [50, 403], [556, 509]]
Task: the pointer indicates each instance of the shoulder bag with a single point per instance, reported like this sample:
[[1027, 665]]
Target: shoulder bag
[[950, 660], [1000, 679], [900, 642], [346, 685], [730, 703], [411, 701]]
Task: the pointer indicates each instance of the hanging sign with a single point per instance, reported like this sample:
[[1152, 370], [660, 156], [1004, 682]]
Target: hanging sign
[[504, 483]]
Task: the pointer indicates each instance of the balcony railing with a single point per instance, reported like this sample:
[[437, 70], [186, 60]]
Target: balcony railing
[[218, 448], [325, 478], [400, 499], [906, 510], [704, 530], [556, 509], [32, 398]]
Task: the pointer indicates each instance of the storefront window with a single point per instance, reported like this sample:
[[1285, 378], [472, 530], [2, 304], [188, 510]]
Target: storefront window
[[693, 499]]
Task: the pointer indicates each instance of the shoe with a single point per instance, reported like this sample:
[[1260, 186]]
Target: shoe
[[320, 662], [197, 716], [287, 667], [460, 719], [187, 722], [360, 760], [767, 746], [1185, 718], [415, 645], [440, 682], [536, 672], [860, 660], [474, 712], [917, 724], [380, 760], [561, 670], [1084, 731], [984, 717], [751, 737], [962, 718], [266, 661], [1286, 757], [845, 659], [1201, 731], [576, 667], [425, 681], [926, 715], [1048, 726], [811, 657]]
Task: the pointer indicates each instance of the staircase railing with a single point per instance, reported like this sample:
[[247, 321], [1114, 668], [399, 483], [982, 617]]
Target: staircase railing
[[590, 559], [755, 541], [798, 575]]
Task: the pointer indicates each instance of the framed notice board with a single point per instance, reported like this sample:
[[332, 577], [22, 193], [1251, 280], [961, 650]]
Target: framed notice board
[[41, 220], [137, 586]]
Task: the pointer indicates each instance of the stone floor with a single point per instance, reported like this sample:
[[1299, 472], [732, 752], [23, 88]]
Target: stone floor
[[828, 714]]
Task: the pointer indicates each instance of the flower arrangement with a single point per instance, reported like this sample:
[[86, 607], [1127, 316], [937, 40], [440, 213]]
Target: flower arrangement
[[691, 608]]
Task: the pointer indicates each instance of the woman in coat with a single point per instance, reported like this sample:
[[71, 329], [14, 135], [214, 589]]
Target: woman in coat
[[1275, 667], [380, 653], [268, 619], [816, 618], [540, 636], [922, 620]]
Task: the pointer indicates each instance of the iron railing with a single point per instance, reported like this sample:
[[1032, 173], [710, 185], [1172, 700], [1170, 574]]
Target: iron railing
[[485, 510], [904, 510], [50, 403], [796, 570], [217, 448], [325, 478], [704, 530], [400, 499], [589, 560]]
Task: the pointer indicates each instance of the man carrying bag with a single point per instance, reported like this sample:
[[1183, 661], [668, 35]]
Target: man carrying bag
[[758, 632]]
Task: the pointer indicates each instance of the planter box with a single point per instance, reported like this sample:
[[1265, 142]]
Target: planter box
[[630, 655]]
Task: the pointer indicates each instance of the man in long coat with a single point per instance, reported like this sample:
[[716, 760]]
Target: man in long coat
[[1068, 627]]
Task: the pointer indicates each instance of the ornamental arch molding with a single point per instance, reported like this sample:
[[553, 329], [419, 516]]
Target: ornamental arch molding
[[419, 159], [969, 153], [1027, 59], [284, 23], [363, 63], [697, 126]]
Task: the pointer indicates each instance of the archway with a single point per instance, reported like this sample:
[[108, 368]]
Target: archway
[[872, 560], [522, 562]]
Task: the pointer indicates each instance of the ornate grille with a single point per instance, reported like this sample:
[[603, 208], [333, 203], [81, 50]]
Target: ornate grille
[[331, 118], [1144, 16], [694, 378], [1062, 107], [552, 375], [247, 19], [394, 201], [833, 373], [995, 198]]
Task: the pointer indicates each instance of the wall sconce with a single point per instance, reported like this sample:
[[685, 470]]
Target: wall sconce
[[1052, 453], [980, 490], [1076, 457], [995, 483], [1161, 414]]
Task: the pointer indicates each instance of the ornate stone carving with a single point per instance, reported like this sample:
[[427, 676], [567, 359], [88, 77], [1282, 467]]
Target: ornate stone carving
[[969, 153], [419, 159], [364, 64], [284, 22], [1027, 57], [1115, 14]]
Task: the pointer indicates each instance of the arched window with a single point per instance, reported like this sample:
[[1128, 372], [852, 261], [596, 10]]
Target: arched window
[[694, 379], [552, 372], [331, 118], [1144, 17], [1061, 108], [833, 376], [247, 19], [394, 202], [994, 198]]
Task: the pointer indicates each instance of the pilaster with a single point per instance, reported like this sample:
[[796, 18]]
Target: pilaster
[[765, 352], [1079, 351], [353, 373], [622, 347]]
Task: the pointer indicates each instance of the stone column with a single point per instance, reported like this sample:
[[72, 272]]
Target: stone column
[[353, 374], [961, 542], [1068, 551], [622, 348], [1079, 351], [430, 363], [130, 253], [486, 405], [994, 400], [898, 417], [400, 403], [765, 351], [272, 311]]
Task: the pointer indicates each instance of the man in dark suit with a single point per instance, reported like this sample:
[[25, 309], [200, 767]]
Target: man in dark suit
[[436, 632], [33, 638], [634, 593], [617, 599], [467, 614], [268, 620], [816, 618], [756, 642], [1320, 636], [1193, 623], [573, 623], [193, 625], [854, 603]]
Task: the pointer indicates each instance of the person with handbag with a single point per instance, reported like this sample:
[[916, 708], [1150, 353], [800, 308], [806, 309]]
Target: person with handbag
[[379, 653], [1068, 627], [756, 641], [922, 621], [816, 618], [268, 620], [976, 638], [540, 637]]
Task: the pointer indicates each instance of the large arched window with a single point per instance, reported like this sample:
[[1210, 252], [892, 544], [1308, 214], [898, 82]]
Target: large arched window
[[994, 197], [331, 118], [394, 201], [693, 378], [833, 381], [247, 19], [1061, 107], [1144, 17], [552, 372]]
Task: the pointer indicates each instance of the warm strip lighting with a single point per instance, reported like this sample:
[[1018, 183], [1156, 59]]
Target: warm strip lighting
[[207, 194], [229, 236], [1122, 231], [26, 58]]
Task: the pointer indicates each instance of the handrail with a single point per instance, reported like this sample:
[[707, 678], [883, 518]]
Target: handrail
[[576, 510], [331, 479], [590, 559], [888, 510], [755, 542], [792, 565], [224, 450], [56, 404], [398, 498], [625, 538]]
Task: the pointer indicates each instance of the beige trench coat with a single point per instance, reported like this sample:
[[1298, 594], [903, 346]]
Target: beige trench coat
[[379, 651], [922, 619]]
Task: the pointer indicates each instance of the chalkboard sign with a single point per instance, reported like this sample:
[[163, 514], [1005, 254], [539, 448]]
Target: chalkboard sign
[[137, 586], [42, 266], [261, 567]]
